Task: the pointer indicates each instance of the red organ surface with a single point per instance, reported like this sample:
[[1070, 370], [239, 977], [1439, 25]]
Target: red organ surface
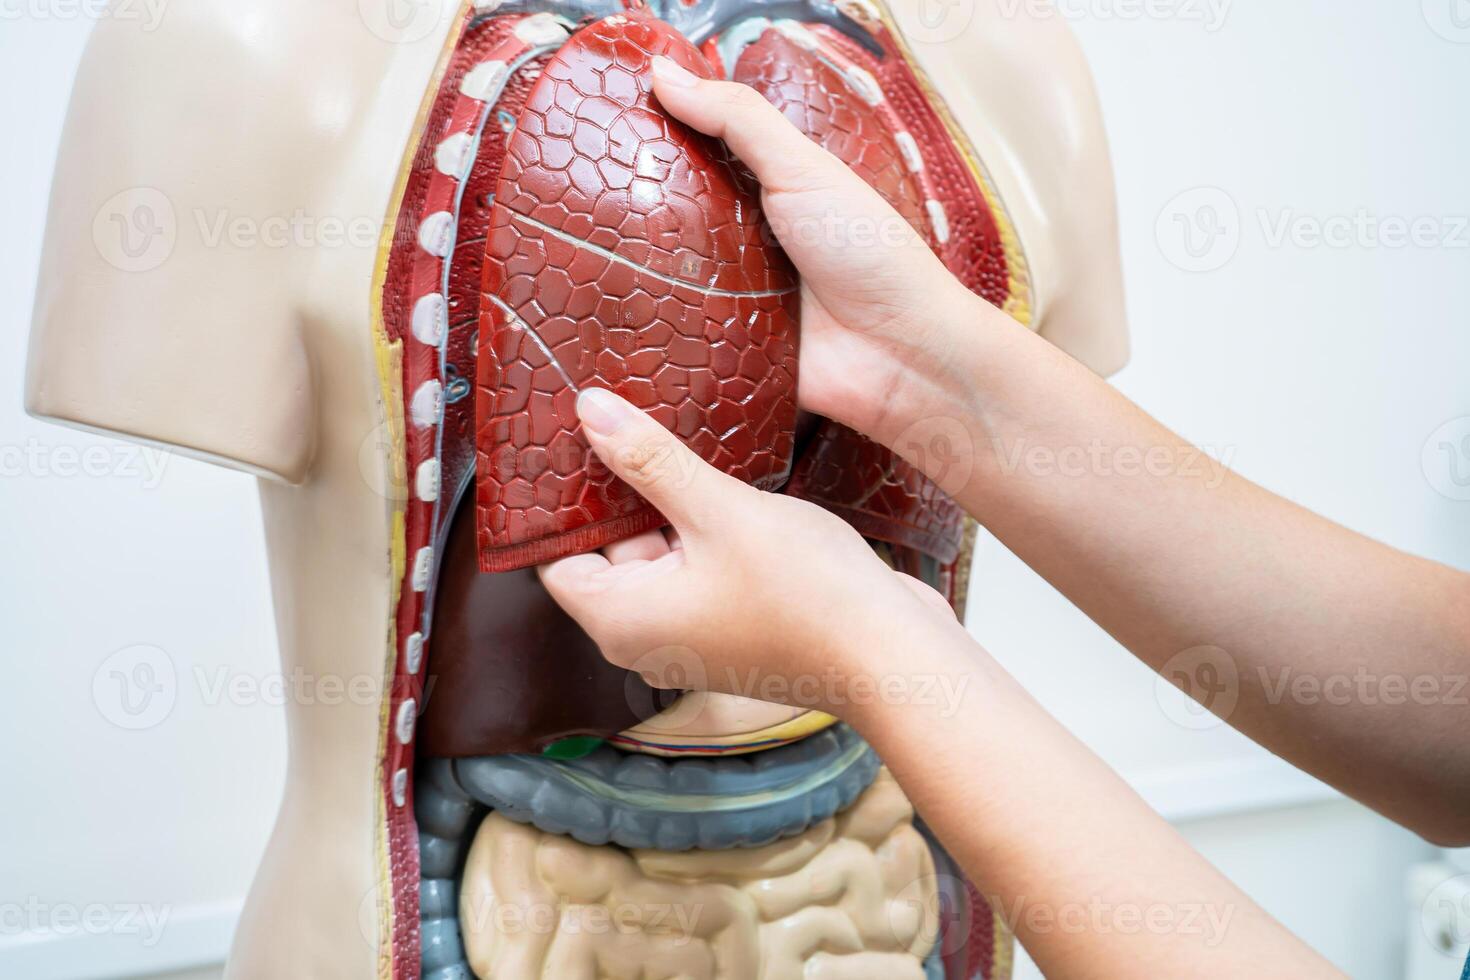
[[831, 90], [625, 252]]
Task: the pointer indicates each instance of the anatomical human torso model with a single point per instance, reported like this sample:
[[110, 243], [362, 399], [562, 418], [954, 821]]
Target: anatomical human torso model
[[510, 805]]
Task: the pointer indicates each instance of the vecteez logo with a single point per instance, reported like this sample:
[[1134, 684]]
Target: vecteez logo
[[1450, 19], [1202, 230], [1209, 679], [401, 21], [1445, 459], [136, 229], [136, 687], [1210, 15], [147, 14], [1199, 230]]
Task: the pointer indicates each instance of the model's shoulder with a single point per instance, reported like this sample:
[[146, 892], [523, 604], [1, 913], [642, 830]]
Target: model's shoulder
[[175, 129], [1019, 85]]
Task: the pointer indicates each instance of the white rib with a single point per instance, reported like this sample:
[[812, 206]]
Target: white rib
[[857, 79], [400, 787], [413, 652], [614, 257], [909, 150], [541, 29], [797, 34], [938, 219], [427, 404], [453, 154], [430, 317], [426, 480], [864, 84], [482, 82], [436, 233], [407, 715], [423, 566]]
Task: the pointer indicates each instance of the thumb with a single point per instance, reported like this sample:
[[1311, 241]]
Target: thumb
[[691, 493], [928, 594]]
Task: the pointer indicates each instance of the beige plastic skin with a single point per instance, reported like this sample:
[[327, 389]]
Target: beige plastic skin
[[259, 355], [1019, 86]]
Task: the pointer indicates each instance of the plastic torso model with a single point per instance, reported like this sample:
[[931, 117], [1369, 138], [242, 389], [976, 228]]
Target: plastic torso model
[[512, 806]]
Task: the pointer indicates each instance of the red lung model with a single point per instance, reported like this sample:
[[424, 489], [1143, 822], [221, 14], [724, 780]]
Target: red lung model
[[625, 252]]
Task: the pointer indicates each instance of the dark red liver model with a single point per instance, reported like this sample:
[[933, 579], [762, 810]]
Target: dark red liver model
[[511, 671], [625, 252]]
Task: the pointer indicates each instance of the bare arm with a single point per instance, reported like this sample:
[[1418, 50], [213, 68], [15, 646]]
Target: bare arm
[[1092, 881], [1345, 656]]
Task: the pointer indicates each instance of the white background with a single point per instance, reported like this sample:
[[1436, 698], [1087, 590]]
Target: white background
[[1318, 370]]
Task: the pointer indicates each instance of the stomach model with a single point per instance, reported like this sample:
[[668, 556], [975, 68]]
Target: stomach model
[[547, 814]]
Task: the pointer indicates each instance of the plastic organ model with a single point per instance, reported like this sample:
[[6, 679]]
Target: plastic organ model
[[550, 228], [558, 230]]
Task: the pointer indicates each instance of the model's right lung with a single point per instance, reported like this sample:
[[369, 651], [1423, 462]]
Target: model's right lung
[[625, 252]]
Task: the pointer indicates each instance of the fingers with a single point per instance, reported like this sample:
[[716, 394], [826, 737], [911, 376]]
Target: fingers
[[647, 546], [846, 239], [927, 593], [625, 607], [574, 581], [607, 593], [780, 155], [596, 592], [649, 458]]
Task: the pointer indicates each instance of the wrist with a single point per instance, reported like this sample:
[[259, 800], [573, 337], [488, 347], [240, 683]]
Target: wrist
[[948, 388], [920, 350], [910, 658]]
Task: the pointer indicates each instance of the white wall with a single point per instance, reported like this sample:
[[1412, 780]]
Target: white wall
[[122, 849], [1320, 371]]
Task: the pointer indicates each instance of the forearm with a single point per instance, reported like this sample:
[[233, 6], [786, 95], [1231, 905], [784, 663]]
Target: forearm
[[1093, 882], [1341, 654]]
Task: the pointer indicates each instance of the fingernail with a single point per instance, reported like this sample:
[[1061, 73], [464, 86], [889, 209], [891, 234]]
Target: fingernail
[[601, 411], [668, 71]]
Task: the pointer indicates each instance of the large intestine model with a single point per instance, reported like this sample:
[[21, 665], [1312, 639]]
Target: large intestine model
[[556, 230]]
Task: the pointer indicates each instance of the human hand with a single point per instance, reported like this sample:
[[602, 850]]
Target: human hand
[[879, 311], [744, 588]]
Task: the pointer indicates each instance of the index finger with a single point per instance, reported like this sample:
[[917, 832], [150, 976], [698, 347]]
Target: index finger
[[691, 493], [780, 155]]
